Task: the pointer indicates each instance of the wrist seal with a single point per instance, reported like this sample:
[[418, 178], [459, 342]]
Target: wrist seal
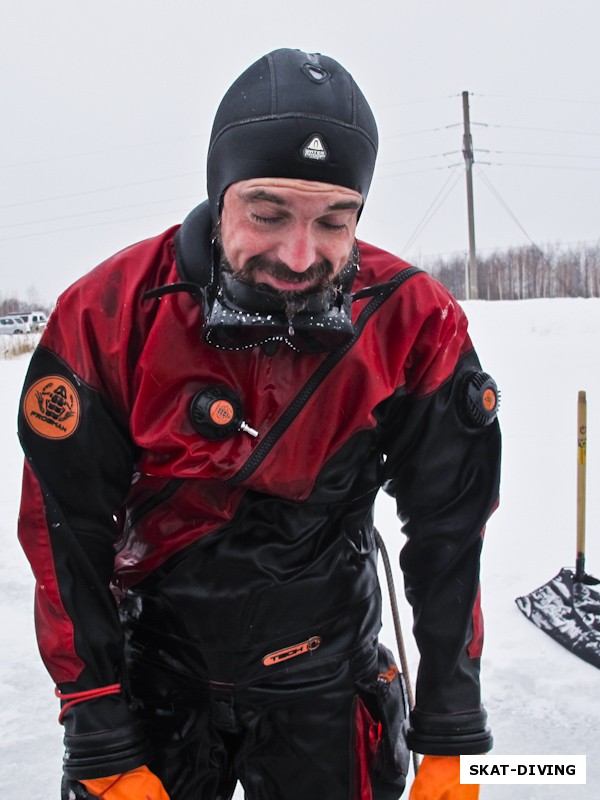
[[465, 733], [107, 752]]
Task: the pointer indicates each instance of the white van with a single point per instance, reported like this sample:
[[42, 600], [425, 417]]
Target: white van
[[36, 319], [14, 325]]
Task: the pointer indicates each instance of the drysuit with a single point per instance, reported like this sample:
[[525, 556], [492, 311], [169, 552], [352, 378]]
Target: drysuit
[[209, 605]]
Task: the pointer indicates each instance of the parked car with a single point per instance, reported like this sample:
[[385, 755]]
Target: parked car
[[14, 325], [36, 319]]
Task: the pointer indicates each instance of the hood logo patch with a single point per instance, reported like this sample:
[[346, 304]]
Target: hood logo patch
[[314, 149], [52, 407]]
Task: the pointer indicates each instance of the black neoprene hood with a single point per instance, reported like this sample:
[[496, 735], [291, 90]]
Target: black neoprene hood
[[292, 115]]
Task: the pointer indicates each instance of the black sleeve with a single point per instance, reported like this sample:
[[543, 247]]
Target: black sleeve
[[79, 464], [443, 468]]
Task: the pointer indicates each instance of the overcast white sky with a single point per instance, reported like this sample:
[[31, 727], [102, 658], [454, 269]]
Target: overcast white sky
[[107, 107]]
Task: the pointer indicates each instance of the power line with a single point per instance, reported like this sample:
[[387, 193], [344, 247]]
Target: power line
[[420, 101], [434, 207], [415, 133], [414, 172], [91, 225], [101, 150], [415, 158], [498, 197], [98, 211], [543, 155], [567, 167], [538, 130], [538, 99], [102, 189]]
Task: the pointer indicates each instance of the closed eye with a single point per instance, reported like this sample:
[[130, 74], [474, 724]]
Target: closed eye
[[331, 226], [263, 220]]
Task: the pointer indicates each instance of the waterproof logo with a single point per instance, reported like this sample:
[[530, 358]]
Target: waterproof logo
[[314, 149], [52, 407], [292, 651]]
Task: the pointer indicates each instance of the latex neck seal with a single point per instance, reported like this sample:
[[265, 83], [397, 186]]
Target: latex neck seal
[[240, 315], [243, 315]]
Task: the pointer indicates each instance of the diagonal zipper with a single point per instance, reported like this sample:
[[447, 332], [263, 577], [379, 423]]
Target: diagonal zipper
[[266, 445]]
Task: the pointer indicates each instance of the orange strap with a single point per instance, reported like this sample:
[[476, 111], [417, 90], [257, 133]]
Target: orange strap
[[137, 784], [81, 697], [438, 778]]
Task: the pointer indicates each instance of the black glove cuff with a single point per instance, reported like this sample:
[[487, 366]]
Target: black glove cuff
[[73, 790], [465, 733], [103, 753]]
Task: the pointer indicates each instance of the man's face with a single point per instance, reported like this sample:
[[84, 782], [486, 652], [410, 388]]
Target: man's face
[[292, 235]]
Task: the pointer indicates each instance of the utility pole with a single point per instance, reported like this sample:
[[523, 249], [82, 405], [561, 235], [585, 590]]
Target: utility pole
[[471, 292]]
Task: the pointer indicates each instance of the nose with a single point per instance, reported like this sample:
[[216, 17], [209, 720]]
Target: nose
[[297, 248]]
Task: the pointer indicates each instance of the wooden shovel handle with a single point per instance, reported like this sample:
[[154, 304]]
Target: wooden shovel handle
[[581, 466]]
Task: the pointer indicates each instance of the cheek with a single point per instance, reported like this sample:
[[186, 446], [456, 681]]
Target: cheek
[[338, 248], [241, 244], [340, 254]]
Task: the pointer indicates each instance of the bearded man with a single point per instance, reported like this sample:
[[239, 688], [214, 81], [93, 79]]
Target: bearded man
[[207, 421]]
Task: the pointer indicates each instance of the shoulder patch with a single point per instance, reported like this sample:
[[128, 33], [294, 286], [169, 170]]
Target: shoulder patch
[[52, 407]]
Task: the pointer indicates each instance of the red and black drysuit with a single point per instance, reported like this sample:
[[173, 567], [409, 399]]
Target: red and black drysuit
[[224, 552]]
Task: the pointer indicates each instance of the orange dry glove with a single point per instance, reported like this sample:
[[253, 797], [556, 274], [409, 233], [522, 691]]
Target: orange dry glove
[[137, 784], [438, 778]]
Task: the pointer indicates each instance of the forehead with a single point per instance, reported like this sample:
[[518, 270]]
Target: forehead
[[288, 190]]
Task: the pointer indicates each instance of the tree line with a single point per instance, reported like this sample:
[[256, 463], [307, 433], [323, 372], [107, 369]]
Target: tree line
[[14, 305], [518, 273], [522, 273]]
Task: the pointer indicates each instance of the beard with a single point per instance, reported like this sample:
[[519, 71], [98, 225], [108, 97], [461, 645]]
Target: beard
[[320, 275]]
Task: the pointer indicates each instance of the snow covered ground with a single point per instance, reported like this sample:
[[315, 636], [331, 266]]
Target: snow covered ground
[[540, 698]]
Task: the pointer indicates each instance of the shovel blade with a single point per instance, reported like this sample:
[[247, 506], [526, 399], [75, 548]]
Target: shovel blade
[[568, 610]]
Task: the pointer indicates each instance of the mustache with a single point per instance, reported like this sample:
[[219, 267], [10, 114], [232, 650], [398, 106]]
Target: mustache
[[317, 275]]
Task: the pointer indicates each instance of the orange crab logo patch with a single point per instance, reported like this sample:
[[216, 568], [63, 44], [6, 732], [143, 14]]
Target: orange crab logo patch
[[52, 408]]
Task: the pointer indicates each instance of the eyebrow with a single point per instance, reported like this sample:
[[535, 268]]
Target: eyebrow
[[343, 205], [260, 194]]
